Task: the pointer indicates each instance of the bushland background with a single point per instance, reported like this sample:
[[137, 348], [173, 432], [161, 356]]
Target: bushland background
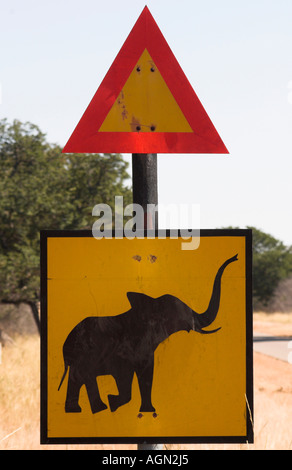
[[41, 188]]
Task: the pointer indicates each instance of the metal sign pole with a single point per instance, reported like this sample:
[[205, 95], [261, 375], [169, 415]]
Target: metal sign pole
[[144, 178]]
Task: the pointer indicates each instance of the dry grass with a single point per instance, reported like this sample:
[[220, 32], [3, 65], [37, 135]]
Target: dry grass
[[273, 323], [20, 401], [20, 398]]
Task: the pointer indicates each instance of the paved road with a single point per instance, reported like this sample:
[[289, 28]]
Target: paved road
[[279, 347]]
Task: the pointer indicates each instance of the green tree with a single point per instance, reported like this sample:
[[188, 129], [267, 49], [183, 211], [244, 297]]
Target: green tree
[[272, 261], [41, 188]]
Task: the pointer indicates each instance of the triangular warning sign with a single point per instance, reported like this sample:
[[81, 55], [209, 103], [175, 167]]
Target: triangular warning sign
[[145, 103]]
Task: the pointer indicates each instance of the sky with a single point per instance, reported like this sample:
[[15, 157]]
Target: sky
[[236, 54]]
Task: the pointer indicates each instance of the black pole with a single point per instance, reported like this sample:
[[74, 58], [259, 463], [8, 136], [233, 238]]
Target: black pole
[[144, 178]]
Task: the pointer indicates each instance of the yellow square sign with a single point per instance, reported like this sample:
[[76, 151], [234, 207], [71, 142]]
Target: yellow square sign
[[145, 342]]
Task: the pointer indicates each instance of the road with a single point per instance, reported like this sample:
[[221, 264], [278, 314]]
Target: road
[[279, 347]]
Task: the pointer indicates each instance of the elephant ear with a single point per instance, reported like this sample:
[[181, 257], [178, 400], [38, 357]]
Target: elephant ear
[[139, 301]]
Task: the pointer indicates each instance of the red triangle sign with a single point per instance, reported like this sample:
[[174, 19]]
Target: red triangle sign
[[145, 104]]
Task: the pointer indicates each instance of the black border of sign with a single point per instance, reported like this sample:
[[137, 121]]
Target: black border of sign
[[248, 438]]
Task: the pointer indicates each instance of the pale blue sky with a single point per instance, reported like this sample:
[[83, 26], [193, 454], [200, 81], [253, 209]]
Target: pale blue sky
[[236, 54]]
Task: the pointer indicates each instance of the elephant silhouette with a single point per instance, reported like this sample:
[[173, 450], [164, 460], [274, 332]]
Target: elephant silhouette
[[125, 344]]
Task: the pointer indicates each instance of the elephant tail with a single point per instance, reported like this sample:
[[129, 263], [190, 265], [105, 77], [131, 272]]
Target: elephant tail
[[64, 375]]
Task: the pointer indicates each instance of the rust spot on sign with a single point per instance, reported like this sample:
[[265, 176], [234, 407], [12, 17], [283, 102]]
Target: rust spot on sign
[[135, 124], [137, 258], [152, 258], [122, 105]]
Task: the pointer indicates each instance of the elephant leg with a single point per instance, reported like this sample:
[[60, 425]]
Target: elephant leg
[[144, 371], [95, 401], [124, 384], [73, 390]]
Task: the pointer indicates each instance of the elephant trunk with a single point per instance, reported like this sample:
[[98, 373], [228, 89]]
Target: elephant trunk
[[205, 319]]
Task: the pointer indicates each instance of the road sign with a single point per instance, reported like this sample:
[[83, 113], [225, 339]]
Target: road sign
[[143, 341], [145, 103]]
